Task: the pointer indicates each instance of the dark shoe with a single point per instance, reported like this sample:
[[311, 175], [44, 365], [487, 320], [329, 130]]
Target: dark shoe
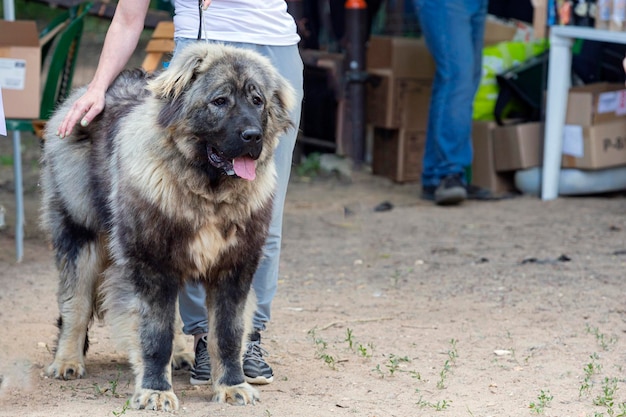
[[255, 369], [428, 192], [201, 372], [450, 191], [475, 192]]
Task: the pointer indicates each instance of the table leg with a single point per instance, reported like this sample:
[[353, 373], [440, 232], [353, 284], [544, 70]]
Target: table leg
[[19, 196], [559, 79]]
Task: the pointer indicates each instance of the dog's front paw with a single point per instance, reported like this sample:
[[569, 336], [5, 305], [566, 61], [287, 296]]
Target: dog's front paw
[[241, 394], [66, 369], [155, 400]]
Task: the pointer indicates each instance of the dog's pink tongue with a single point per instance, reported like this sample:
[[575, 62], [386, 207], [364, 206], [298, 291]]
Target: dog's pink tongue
[[245, 167]]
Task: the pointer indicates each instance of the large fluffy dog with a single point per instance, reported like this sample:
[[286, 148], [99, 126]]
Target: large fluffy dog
[[172, 182]]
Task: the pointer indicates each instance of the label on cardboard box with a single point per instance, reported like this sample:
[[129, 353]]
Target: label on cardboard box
[[12, 73], [573, 141], [608, 102]]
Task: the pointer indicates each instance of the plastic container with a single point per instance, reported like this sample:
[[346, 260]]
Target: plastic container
[[574, 181]]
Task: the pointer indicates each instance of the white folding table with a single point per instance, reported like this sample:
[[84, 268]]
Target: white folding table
[[559, 69]]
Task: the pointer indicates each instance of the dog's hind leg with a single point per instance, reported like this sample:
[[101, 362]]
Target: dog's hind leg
[[142, 308], [230, 310], [80, 258]]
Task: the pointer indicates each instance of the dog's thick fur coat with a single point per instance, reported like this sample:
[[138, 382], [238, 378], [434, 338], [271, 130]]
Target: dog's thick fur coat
[[174, 181]]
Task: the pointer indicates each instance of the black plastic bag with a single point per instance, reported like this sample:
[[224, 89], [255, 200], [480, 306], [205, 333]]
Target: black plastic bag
[[521, 91]]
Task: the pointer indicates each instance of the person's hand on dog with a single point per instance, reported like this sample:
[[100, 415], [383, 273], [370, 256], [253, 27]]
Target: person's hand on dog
[[84, 110], [119, 45]]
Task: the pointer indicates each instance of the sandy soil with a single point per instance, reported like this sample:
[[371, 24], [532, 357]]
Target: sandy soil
[[501, 308]]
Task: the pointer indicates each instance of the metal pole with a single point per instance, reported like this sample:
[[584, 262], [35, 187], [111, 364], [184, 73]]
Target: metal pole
[[9, 9], [19, 196], [9, 14], [356, 19]]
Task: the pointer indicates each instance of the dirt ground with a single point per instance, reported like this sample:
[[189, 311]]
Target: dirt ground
[[500, 308]]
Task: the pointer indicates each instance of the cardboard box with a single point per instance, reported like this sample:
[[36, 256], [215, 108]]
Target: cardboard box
[[397, 103], [595, 147], [498, 30], [518, 146], [595, 103], [540, 19], [398, 153], [20, 69], [484, 172], [406, 57]]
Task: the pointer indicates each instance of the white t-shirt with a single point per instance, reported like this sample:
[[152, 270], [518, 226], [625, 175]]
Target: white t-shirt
[[264, 22]]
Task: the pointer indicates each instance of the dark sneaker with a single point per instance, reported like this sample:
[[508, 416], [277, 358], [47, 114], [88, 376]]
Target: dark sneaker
[[201, 372], [428, 192], [451, 190], [255, 369], [475, 192]]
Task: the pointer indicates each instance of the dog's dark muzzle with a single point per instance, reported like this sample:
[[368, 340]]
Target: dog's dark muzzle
[[239, 160]]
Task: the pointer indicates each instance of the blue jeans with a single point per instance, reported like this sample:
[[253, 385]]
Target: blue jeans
[[192, 299], [453, 31]]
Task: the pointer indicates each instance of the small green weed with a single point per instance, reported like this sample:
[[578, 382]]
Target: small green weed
[[393, 364], [438, 406], [443, 374], [543, 400], [349, 338], [124, 408], [321, 346], [592, 368], [453, 354], [363, 350], [609, 388], [6, 160], [310, 165], [603, 340]]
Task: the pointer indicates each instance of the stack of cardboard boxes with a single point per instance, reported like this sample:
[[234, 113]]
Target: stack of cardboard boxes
[[594, 138], [398, 96]]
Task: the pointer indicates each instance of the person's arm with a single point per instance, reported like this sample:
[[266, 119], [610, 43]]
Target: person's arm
[[119, 44]]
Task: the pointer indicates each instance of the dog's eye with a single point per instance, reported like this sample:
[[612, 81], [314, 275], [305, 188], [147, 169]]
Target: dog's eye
[[257, 101], [220, 101]]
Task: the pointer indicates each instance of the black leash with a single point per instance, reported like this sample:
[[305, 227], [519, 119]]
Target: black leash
[[200, 19]]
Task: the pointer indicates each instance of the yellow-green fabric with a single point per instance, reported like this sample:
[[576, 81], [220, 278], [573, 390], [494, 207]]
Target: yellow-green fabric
[[497, 59]]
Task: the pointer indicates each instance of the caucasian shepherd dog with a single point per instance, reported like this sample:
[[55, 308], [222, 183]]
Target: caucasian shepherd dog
[[174, 181]]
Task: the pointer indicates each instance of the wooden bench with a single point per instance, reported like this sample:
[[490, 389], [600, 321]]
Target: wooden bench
[[161, 43]]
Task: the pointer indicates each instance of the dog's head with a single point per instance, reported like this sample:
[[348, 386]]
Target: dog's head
[[224, 107]]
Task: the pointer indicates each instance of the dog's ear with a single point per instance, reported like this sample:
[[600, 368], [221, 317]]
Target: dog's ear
[[282, 102], [181, 72]]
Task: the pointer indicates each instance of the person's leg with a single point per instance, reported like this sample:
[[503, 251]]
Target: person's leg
[[478, 39], [288, 62], [448, 32]]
